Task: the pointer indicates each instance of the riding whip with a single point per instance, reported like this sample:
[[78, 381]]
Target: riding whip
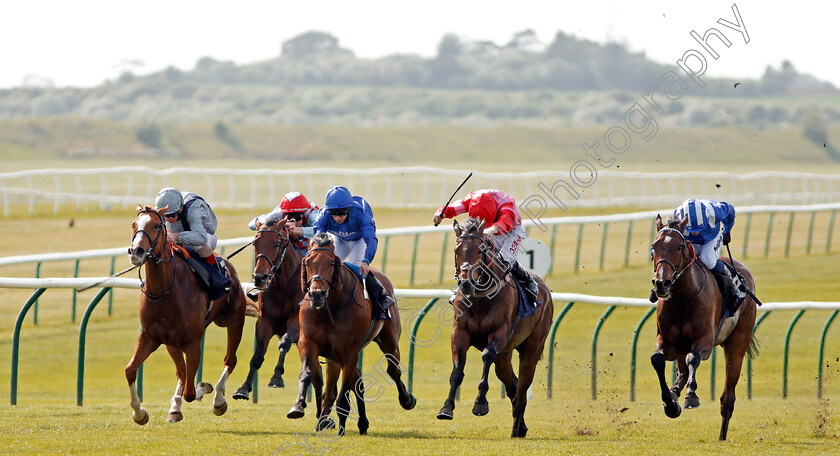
[[456, 192], [109, 278], [239, 250]]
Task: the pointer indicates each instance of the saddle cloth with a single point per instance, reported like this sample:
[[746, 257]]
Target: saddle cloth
[[215, 283]]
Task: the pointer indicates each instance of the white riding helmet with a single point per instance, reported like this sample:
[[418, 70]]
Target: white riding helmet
[[169, 196]]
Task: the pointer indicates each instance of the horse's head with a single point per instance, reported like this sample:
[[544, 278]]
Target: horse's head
[[319, 269], [669, 254], [270, 245], [474, 257], [148, 235]]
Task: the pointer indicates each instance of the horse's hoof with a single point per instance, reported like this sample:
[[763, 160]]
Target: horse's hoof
[[175, 417], [295, 413], [324, 423], [445, 414], [481, 408], [276, 382], [673, 411], [204, 386], [519, 432], [410, 403], [242, 393], [691, 402], [143, 420], [220, 410]]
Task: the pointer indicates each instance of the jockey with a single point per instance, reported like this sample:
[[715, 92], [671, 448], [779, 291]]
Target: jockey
[[190, 222], [503, 222], [704, 232], [300, 212], [350, 220]]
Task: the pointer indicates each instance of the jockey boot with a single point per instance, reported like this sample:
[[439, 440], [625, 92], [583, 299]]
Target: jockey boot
[[253, 294], [653, 297], [379, 298], [524, 278], [733, 286]]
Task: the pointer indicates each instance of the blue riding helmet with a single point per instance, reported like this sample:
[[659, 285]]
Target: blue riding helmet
[[338, 198]]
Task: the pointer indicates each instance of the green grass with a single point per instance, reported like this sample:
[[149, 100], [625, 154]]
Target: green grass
[[47, 421]]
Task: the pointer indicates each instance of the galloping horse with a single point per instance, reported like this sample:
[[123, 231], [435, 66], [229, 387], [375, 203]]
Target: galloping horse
[[688, 321], [277, 275], [486, 318], [337, 323], [175, 311]]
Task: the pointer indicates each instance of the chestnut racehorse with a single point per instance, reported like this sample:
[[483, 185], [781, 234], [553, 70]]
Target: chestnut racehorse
[[486, 317], [688, 321], [336, 322], [175, 311], [277, 275]]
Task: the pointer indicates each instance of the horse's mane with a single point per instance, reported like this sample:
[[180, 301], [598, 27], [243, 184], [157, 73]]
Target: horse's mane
[[471, 225], [321, 240]]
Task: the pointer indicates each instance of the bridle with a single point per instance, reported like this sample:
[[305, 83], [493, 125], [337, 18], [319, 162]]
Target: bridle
[[678, 270], [156, 259], [330, 281], [274, 266], [484, 247]]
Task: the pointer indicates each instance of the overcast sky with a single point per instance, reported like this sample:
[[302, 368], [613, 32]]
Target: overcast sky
[[84, 42]]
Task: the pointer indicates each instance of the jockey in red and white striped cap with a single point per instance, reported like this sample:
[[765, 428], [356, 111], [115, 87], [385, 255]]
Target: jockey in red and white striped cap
[[297, 209]]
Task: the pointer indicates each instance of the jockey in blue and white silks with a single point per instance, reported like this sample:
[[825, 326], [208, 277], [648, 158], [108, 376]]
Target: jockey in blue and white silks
[[703, 230], [350, 220]]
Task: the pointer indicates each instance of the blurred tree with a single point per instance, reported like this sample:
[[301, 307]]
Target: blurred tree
[[149, 134], [310, 43]]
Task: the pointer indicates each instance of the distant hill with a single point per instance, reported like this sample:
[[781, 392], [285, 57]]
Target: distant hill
[[315, 81]]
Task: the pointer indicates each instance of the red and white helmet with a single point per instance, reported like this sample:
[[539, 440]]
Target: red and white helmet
[[294, 202], [484, 207]]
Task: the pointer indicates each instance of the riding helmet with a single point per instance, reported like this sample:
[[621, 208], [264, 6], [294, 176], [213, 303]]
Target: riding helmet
[[483, 207], [171, 197], [294, 202], [338, 198]]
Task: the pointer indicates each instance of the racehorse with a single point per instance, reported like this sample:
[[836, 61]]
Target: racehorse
[[277, 275], [175, 311], [336, 322], [689, 323], [486, 317]]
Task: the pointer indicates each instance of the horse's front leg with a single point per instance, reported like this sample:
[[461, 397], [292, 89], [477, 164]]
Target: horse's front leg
[[682, 377], [262, 334], [349, 378], [325, 403], [308, 366], [657, 359], [460, 344], [145, 347], [488, 356], [234, 337], [284, 346], [177, 356], [692, 360]]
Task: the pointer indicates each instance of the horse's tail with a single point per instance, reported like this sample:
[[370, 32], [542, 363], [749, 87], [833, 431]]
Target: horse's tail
[[752, 350]]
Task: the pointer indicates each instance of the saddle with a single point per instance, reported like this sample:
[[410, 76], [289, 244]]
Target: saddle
[[528, 304], [216, 283]]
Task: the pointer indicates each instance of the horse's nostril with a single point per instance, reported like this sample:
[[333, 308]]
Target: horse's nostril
[[667, 283]]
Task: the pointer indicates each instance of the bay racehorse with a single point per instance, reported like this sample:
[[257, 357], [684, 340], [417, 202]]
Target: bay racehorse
[[486, 317], [689, 323], [175, 311], [336, 322], [277, 275]]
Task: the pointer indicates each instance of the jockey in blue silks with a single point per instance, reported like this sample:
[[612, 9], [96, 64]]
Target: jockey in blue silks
[[703, 230], [350, 220]]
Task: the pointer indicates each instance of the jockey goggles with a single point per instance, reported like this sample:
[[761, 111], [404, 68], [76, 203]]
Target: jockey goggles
[[339, 212], [293, 216]]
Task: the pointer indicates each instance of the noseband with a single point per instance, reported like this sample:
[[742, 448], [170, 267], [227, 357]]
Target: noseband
[[274, 266]]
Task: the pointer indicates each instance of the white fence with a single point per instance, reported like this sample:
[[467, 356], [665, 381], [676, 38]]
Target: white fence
[[424, 187]]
